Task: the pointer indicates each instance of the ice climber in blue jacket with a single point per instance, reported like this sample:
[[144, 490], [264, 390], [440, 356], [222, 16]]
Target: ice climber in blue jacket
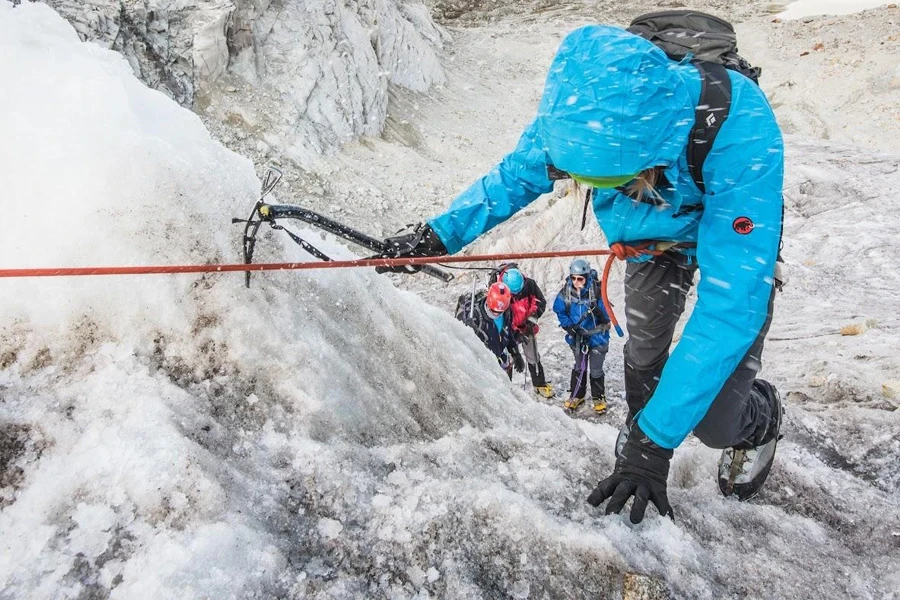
[[616, 116], [579, 308]]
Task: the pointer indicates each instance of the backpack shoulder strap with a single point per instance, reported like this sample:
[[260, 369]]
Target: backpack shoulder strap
[[597, 293], [462, 307], [710, 114], [570, 298]]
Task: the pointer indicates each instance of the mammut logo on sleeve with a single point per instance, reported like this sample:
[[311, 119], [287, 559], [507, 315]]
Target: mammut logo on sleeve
[[743, 225]]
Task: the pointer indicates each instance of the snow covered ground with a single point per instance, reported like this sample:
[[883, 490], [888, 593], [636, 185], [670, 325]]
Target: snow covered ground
[[797, 9], [329, 435]]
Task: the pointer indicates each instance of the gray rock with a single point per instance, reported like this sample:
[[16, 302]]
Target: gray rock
[[643, 587], [325, 66]]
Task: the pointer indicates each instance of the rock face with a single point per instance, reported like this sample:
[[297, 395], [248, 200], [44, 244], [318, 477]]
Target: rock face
[[323, 66], [172, 46]]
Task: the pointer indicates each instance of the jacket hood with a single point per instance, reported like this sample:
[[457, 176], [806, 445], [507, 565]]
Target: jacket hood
[[613, 104]]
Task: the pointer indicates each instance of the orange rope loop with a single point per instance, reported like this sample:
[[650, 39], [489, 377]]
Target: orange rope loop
[[622, 252]]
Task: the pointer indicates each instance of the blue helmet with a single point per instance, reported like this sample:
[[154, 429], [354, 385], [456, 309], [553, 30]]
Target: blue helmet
[[580, 266], [514, 279]]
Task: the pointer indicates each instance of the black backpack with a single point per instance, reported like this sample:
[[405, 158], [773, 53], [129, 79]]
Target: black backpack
[[713, 44], [466, 306]]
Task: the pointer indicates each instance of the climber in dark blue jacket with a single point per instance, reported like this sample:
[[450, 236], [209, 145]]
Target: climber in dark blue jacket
[[579, 308]]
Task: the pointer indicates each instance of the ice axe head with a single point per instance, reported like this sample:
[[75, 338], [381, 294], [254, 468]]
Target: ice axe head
[[273, 176]]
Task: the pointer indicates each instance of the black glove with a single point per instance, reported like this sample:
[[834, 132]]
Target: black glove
[[518, 362], [641, 471], [505, 364], [573, 331], [421, 241], [599, 317]]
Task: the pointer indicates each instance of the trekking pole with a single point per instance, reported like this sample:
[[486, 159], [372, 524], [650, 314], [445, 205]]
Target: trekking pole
[[536, 359], [525, 381]]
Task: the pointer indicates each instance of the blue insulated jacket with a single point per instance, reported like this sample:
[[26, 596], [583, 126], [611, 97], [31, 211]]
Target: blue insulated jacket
[[573, 309], [614, 104]]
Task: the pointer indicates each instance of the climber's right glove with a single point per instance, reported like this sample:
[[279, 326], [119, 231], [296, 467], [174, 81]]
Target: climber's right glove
[[421, 241]]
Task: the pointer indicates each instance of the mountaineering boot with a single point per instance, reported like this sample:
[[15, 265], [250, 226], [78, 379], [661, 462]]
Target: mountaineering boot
[[578, 388], [544, 390], [744, 469], [572, 404], [598, 393], [539, 381]]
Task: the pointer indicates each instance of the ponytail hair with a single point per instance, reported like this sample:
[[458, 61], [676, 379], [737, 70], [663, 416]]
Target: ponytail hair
[[645, 183]]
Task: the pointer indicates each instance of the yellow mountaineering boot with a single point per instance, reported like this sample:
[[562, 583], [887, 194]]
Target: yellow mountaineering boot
[[577, 388], [544, 390], [598, 392], [538, 380], [572, 404]]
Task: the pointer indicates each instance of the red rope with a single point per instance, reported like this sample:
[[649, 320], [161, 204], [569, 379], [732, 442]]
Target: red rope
[[335, 264], [619, 250]]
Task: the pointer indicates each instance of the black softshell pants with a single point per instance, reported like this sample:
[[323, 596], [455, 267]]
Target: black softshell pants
[[655, 293], [593, 372]]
